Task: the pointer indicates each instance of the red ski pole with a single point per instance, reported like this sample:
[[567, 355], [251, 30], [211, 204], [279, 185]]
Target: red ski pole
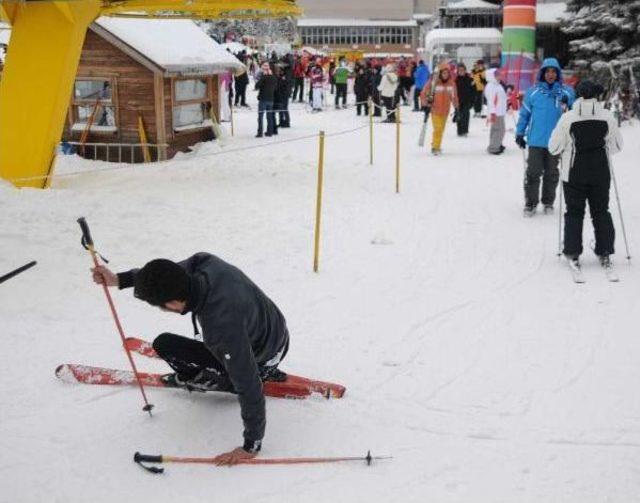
[[87, 242], [146, 458]]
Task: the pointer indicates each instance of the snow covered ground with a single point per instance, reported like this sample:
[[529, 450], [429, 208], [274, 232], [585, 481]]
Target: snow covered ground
[[468, 352]]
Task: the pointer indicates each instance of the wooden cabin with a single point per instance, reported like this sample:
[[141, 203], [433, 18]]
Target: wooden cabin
[[145, 81]]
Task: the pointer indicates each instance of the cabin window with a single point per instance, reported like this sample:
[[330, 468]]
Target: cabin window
[[93, 105], [191, 103]]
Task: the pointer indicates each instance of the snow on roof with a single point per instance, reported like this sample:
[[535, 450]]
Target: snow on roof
[[236, 47], [551, 13], [354, 22], [454, 35], [472, 4], [177, 45]]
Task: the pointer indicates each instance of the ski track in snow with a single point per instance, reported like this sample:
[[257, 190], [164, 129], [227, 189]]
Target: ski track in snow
[[467, 351]]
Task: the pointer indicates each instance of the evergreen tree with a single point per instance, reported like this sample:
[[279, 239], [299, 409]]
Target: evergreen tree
[[604, 43]]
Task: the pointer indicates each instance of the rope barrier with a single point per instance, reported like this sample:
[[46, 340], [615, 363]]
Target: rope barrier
[[211, 154]]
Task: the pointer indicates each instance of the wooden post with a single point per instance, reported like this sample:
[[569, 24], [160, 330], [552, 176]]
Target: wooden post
[[161, 122], [146, 155], [316, 247], [370, 130], [398, 149]]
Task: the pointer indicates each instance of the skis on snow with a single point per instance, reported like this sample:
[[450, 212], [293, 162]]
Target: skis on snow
[[575, 268], [328, 389], [294, 387]]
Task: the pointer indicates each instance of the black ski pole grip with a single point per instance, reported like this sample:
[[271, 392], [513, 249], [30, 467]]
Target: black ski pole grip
[[87, 240], [146, 458]]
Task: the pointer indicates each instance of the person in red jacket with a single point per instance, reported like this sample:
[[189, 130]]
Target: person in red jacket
[[299, 71]]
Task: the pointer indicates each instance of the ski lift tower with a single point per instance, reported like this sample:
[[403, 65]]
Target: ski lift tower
[[42, 60]]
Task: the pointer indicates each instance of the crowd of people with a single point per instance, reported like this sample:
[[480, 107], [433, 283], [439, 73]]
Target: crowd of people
[[551, 124]]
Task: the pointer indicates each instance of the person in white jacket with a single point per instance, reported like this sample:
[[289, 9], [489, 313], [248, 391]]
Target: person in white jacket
[[496, 110], [585, 137], [387, 88]]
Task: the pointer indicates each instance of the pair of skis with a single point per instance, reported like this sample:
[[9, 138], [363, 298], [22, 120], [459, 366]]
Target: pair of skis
[[294, 387], [578, 275]]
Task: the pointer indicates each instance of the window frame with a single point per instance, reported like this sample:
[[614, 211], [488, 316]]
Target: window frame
[[206, 102], [112, 103]]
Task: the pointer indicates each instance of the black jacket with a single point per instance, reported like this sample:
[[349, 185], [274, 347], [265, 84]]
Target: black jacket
[[281, 94], [266, 87], [363, 85], [240, 325], [464, 85]]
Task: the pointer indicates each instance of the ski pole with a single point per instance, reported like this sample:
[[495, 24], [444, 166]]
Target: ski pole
[[87, 242], [624, 232], [17, 271], [146, 458], [560, 208]]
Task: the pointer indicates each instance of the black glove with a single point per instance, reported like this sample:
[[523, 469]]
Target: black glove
[[455, 117], [521, 141]]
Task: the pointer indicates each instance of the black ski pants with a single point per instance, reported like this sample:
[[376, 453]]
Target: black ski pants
[[377, 110], [478, 101], [594, 188], [416, 99], [365, 106], [540, 164], [298, 88], [187, 357], [464, 111], [341, 92], [241, 94], [390, 110]]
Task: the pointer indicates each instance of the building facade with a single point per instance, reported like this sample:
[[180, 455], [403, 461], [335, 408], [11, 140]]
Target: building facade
[[381, 28]]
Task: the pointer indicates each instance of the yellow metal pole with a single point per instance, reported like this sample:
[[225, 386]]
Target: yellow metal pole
[[316, 247], [397, 149], [37, 84], [370, 130]]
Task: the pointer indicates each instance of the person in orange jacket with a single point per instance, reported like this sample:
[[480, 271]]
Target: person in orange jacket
[[438, 95]]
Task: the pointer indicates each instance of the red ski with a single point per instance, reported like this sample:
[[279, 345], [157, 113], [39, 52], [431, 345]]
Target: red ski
[[85, 374], [327, 389]]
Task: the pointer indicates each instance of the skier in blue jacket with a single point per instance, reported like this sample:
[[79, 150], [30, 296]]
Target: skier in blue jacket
[[543, 105], [421, 78]]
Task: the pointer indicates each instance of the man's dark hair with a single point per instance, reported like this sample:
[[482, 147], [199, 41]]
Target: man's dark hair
[[588, 90], [161, 281]]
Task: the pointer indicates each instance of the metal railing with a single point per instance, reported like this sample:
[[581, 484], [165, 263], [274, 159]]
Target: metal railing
[[124, 152]]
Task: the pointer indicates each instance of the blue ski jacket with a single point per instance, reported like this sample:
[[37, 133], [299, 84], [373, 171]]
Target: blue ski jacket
[[543, 106], [422, 76]]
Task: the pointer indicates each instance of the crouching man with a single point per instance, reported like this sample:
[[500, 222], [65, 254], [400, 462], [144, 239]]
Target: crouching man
[[244, 333]]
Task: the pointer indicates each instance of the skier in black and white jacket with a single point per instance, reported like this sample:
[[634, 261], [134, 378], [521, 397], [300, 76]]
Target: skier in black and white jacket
[[585, 137]]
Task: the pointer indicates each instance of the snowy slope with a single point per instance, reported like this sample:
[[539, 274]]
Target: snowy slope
[[468, 353]]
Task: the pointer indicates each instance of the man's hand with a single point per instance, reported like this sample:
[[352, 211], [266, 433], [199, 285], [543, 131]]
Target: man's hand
[[103, 276], [521, 142], [492, 118], [233, 457]]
